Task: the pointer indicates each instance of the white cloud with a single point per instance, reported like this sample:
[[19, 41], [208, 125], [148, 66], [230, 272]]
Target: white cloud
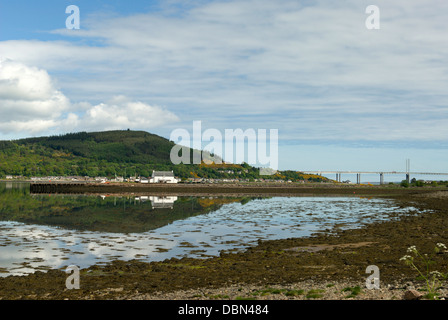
[[121, 113], [28, 98], [30, 104]]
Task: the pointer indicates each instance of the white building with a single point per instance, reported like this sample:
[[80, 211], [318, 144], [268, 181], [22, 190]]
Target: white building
[[163, 177], [144, 180]]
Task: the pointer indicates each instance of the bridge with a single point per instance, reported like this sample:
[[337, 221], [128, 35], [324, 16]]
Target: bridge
[[381, 173]]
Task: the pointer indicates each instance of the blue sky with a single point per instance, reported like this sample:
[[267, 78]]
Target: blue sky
[[342, 97]]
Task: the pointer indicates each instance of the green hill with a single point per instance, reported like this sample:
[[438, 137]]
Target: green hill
[[113, 146], [110, 153], [92, 154]]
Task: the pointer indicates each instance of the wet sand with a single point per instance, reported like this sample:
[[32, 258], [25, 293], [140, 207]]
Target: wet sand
[[321, 262]]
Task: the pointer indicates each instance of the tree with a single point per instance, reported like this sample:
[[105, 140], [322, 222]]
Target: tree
[[419, 183]]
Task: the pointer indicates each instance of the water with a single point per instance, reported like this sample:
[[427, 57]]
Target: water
[[41, 232]]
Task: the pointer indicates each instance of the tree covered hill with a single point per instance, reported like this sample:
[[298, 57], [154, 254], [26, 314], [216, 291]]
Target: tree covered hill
[[112, 146], [107, 153], [112, 153]]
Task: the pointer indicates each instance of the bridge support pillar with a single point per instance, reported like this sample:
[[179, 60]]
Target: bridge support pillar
[[338, 177], [408, 177], [358, 178], [381, 178]]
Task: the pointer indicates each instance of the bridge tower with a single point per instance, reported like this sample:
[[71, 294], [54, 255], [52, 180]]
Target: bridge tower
[[408, 169]]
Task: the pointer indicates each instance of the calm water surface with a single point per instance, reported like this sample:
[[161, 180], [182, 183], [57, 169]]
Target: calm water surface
[[41, 232]]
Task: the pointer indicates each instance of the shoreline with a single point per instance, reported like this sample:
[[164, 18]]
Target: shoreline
[[227, 189], [314, 262]]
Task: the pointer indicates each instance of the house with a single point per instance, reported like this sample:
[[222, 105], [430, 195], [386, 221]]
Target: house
[[141, 179], [144, 180], [163, 177], [101, 179]]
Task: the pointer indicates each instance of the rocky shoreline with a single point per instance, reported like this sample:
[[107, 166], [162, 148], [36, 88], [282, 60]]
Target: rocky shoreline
[[324, 266], [265, 189], [305, 290]]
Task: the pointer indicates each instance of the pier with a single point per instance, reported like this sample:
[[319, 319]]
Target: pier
[[55, 187]]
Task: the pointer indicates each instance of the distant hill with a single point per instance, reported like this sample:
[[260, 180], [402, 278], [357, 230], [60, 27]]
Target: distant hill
[[137, 147], [113, 153]]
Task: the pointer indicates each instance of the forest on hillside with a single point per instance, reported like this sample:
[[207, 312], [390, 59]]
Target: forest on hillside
[[115, 153]]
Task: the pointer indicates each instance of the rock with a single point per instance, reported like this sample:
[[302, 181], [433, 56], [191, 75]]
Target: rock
[[412, 295], [409, 286]]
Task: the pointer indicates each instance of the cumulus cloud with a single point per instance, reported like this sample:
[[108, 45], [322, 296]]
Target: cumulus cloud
[[28, 98], [31, 104], [122, 113]]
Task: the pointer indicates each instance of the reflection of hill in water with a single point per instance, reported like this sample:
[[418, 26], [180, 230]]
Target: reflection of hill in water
[[127, 214]]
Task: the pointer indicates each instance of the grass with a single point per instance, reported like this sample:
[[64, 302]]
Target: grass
[[219, 296], [314, 294], [354, 291], [293, 293], [245, 298], [286, 292], [311, 294]]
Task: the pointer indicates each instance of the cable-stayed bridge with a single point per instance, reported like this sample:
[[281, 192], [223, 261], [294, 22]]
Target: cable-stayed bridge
[[407, 174]]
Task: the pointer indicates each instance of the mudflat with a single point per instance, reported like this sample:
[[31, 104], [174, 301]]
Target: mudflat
[[274, 269]]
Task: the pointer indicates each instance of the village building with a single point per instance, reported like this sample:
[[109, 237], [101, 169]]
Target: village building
[[144, 180], [163, 177]]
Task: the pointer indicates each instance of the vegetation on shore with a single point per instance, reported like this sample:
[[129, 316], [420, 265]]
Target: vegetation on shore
[[420, 183], [115, 153]]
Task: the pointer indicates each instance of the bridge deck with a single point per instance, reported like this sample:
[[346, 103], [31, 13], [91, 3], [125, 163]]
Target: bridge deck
[[375, 172]]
